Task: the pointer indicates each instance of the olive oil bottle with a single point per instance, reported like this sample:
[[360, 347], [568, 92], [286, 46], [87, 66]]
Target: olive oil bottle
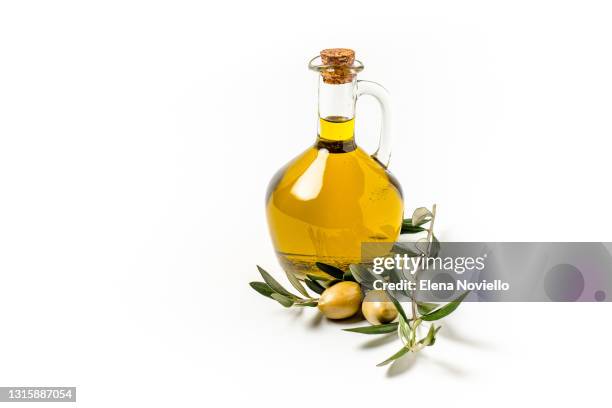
[[334, 196]]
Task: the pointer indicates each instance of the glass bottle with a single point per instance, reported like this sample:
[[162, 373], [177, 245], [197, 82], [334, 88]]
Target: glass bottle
[[334, 196]]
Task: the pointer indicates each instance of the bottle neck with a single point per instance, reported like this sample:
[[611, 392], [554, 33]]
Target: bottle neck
[[336, 113]]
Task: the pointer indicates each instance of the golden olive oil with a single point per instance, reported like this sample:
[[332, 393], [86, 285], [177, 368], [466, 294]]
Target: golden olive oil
[[329, 200]]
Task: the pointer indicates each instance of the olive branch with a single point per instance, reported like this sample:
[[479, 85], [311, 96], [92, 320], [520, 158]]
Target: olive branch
[[422, 220]]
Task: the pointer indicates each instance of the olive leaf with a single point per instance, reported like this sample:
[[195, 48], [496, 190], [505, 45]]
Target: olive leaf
[[425, 307], [403, 248], [272, 283], [296, 283], [262, 288], [397, 276], [420, 216], [430, 249], [398, 306], [378, 329], [430, 338], [422, 245], [314, 286], [408, 228], [330, 270], [318, 278], [445, 310], [283, 300], [362, 275], [397, 355], [404, 332], [348, 276]]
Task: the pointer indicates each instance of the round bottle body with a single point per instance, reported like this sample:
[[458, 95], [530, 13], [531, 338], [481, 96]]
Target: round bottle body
[[325, 203]]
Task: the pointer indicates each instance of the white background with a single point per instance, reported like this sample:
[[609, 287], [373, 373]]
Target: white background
[[136, 143]]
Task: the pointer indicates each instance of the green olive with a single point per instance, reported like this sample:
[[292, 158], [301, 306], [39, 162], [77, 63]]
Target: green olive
[[341, 300], [378, 308]]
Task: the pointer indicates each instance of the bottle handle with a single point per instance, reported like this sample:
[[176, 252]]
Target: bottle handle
[[383, 153]]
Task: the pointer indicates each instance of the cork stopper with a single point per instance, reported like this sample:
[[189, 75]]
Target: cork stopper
[[340, 61]]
